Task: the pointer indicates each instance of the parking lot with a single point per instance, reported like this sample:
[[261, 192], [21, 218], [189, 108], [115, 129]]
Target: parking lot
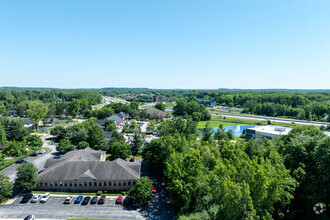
[[55, 208]]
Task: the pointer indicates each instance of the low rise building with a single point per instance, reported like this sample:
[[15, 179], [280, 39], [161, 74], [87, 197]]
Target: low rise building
[[87, 171], [153, 113], [267, 131], [117, 118]]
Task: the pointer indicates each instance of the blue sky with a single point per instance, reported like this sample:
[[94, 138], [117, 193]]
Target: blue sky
[[165, 44]]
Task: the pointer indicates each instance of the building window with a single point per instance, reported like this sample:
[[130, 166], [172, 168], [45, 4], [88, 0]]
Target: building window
[[55, 184], [70, 184], [109, 183], [119, 184], [40, 184], [129, 183], [75, 184], [95, 183], [65, 184], [105, 183], [46, 184], [124, 183], [80, 184], [114, 183], [134, 183], [90, 184], [50, 184], [100, 184], [85, 183], [61, 183]]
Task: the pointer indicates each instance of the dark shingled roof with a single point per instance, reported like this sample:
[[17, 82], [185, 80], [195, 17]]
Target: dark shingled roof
[[87, 154], [156, 112], [117, 118], [86, 163], [98, 170]]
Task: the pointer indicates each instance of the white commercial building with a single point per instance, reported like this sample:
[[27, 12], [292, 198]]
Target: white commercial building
[[267, 131]]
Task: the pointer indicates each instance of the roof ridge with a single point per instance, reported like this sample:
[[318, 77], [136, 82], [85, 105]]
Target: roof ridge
[[129, 169]]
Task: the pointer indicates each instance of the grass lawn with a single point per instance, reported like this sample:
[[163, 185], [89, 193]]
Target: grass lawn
[[45, 149], [6, 163], [148, 106], [216, 121], [79, 194], [4, 201], [169, 105]]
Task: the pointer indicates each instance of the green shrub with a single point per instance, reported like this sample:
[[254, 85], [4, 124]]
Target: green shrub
[[99, 193]]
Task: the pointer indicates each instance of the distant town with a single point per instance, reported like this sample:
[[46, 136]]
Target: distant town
[[163, 154]]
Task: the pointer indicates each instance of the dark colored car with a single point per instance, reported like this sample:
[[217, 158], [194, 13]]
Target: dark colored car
[[57, 157], [29, 217], [78, 199], [22, 161], [34, 155], [26, 198], [94, 200], [86, 200], [132, 159], [128, 200], [101, 200]]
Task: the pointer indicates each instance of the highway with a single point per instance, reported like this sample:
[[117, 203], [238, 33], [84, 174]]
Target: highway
[[265, 118]]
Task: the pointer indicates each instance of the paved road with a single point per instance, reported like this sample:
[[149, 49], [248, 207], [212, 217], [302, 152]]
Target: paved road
[[263, 118], [39, 161]]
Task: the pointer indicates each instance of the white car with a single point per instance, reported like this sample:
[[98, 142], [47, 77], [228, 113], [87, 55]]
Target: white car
[[36, 198], [45, 198], [41, 152], [68, 200]]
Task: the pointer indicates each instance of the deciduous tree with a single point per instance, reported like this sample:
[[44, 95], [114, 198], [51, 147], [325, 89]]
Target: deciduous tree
[[141, 192], [26, 177]]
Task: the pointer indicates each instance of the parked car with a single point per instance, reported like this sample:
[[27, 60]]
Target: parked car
[[94, 200], [68, 200], [29, 217], [78, 199], [26, 198], [86, 200], [128, 200], [34, 155], [57, 157], [41, 152], [132, 159], [35, 198], [101, 200], [45, 198], [153, 190], [22, 161], [119, 200]]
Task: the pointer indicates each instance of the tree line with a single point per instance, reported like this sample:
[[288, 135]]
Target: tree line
[[283, 178]]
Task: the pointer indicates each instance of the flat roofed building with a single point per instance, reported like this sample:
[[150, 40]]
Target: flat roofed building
[[86, 170], [267, 131]]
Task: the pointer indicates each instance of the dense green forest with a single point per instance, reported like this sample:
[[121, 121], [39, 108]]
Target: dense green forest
[[298, 104], [58, 102], [216, 179]]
